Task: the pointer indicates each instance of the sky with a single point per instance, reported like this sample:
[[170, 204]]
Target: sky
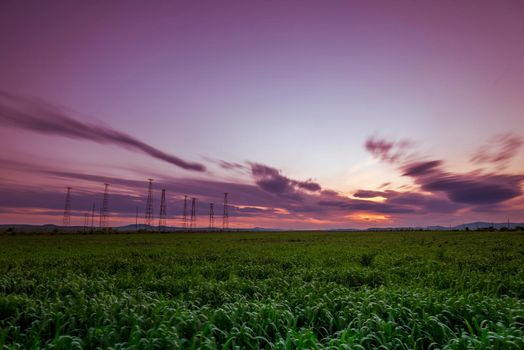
[[310, 114]]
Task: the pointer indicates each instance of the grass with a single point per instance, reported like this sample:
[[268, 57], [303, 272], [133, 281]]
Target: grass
[[416, 290]]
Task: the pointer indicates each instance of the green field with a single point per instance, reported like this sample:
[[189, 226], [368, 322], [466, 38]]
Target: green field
[[416, 290]]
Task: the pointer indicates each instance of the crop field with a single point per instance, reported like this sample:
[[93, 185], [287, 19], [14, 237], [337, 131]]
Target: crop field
[[403, 290]]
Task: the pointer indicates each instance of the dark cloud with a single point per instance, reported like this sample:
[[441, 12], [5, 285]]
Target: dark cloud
[[308, 185], [48, 119], [329, 193], [473, 188], [500, 150], [271, 180], [389, 151], [420, 168], [369, 194]]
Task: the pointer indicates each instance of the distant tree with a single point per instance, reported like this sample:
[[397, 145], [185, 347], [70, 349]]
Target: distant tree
[[467, 228]]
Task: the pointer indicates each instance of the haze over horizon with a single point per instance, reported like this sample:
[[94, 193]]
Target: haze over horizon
[[309, 114]]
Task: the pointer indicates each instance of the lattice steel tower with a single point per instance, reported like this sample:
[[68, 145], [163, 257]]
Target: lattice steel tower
[[93, 216], [225, 215], [149, 204], [67, 208], [86, 222], [104, 211], [162, 217], [193, 214], [211, 217], [184, 214], [136, 220]]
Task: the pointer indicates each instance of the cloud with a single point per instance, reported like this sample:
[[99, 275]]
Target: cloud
[[226, 165], [424, 203], [363, 205], [420, 168], [271, 180], [418, 202], [308, 185], [474, 189], [389, 151], [470, 188], [500, 150], [231, 165], [369, 194], [44, 118]]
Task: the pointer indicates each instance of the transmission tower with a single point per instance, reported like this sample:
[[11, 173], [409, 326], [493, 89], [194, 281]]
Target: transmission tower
[[67, 209], [104, 213], [225, 215], [184, 214], [193, 214], [149, 204], [162, 216], [136, 220], [86, 221], [211, 217], [93, 216]]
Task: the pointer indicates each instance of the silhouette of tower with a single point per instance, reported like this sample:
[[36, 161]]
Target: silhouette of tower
[[136, 220], [149, 204], [225, 215], [86, 221], [67, 208], [104, 213], [193, 214], [184, 214], [211, 217], [93, 216], [162, 216]]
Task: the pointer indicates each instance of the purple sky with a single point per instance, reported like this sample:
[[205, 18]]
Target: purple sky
[[311, 114]]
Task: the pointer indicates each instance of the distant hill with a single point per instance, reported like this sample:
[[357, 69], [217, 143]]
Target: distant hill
[[126, 228], [132, 228]]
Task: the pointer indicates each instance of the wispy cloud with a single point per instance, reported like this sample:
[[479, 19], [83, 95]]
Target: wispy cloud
[[499, 150], [45, 118], [389, 151]]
